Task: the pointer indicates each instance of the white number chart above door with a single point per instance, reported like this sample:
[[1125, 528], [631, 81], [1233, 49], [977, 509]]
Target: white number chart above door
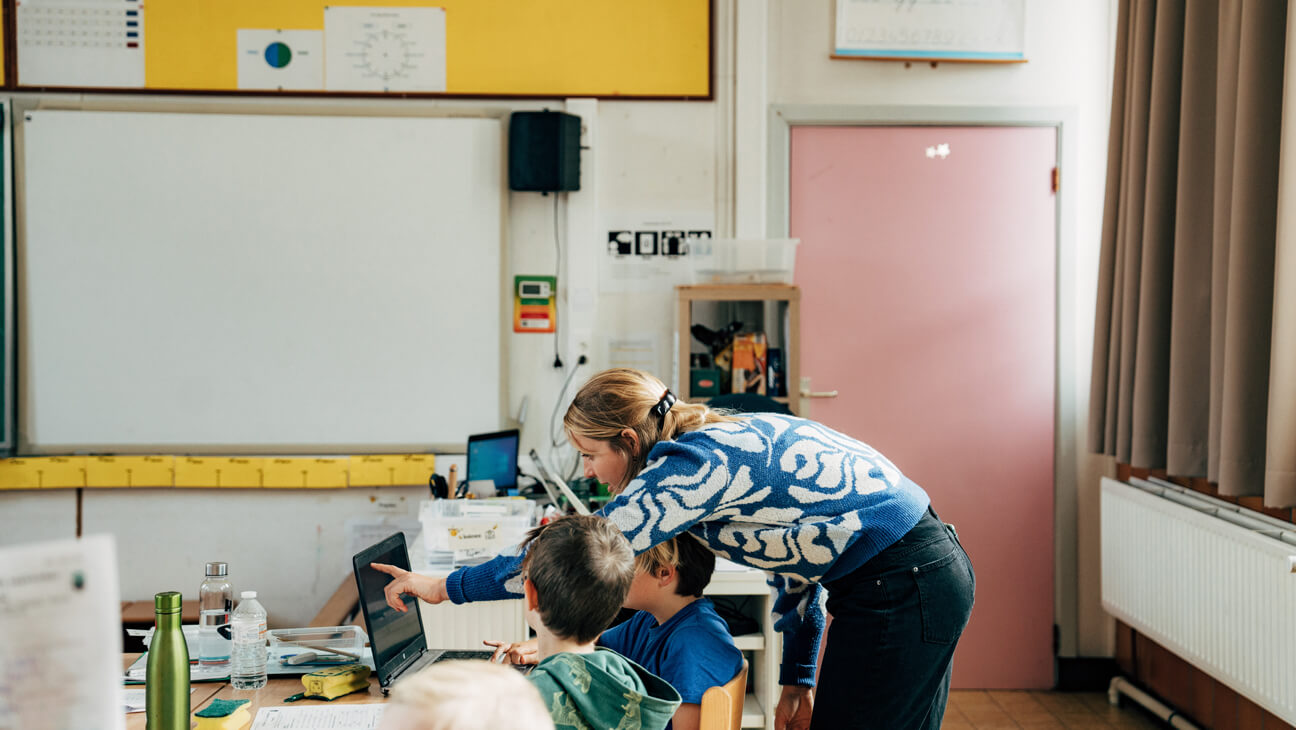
[[648, 252], [931, 30]]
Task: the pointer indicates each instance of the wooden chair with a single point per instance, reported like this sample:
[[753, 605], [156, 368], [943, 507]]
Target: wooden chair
[[341, 606], [722, 706]]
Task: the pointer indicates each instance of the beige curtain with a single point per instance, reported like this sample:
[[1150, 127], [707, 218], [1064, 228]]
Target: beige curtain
[[1280, 457], [1189, 311]]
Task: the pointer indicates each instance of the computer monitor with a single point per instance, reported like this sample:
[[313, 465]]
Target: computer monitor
[[494, 456]]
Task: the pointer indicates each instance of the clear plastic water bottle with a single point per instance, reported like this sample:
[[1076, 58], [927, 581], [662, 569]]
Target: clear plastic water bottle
[[215, 602], [248, 652]]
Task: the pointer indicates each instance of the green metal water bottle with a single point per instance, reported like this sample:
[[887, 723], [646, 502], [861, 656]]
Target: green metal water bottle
[[166, 687]]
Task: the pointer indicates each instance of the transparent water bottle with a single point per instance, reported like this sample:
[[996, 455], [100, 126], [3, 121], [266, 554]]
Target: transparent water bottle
[[215, 602], [248, 652]]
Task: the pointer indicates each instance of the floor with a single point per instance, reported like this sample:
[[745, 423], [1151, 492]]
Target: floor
[[987, 710]]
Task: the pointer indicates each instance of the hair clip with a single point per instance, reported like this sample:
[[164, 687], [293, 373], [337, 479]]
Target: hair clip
[[663, 405]]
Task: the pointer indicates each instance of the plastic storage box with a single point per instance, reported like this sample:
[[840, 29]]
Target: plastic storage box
[[466, 531], [319, 639], [744, 261]]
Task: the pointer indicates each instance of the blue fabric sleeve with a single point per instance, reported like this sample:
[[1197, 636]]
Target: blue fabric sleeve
[[485, 582], [800, 618]]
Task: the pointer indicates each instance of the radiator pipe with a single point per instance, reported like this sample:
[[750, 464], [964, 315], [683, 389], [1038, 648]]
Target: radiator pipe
[[1120, 685]]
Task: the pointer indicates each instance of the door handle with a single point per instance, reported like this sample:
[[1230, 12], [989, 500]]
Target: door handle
[[807, 393]]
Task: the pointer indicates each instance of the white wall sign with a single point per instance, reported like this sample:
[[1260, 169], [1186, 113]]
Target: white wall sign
[[936, 30], [384, 49], [280, 59]]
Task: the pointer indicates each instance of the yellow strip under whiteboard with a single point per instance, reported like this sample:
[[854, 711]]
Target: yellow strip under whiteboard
[[130, 471], [386, 470]]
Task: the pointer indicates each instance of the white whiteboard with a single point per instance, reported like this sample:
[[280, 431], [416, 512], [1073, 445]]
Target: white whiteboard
[[963, 30], [254, 283]]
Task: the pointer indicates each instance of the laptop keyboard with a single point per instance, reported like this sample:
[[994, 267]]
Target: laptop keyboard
[[463, 655]]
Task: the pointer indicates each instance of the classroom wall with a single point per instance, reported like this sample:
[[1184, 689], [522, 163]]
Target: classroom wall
[[678, 159]]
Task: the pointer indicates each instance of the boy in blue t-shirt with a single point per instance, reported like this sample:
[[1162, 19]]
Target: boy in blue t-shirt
[[676, 634]]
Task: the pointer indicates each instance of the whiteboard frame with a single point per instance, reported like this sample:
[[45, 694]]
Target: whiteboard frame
[[25, 445], [8, 340]]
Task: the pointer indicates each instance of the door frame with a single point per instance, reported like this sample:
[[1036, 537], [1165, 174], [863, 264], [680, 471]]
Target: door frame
[[781, 119]]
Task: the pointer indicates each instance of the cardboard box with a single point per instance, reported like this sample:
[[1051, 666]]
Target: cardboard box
[[750, 358]]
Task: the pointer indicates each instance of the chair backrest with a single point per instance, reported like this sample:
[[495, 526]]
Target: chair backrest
[[722, 706]]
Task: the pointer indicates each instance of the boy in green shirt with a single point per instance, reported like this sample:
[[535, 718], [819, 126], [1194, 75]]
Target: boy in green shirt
[[577, 571]]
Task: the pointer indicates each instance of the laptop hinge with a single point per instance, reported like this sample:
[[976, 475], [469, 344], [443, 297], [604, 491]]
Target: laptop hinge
[[406, 664]]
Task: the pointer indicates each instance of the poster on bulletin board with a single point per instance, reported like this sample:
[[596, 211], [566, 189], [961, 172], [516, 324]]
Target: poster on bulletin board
[[558, 48], [992, 31]]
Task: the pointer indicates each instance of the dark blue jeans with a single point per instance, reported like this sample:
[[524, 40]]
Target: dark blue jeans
[[895, 622]]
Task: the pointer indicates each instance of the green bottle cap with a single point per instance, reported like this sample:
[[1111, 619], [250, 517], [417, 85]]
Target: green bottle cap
[[167, 602]]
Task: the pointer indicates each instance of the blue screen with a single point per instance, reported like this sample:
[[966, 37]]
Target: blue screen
[[494, 457]]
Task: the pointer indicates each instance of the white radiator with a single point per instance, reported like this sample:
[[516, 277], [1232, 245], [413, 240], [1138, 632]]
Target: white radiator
[[1209, 581], [463, 626]]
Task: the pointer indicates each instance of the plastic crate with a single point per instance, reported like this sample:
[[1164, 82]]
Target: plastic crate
[[460, 532], [744, 261]]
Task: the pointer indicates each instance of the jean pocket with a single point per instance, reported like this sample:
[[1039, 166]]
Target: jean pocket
[[945, 596]]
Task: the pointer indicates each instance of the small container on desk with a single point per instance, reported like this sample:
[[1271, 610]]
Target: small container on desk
[[322, 640]]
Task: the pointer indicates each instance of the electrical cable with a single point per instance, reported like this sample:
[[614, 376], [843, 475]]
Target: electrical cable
[[557, 363], [556, 439]]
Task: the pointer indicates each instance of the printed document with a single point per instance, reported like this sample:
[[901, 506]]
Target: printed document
[[60, 616]]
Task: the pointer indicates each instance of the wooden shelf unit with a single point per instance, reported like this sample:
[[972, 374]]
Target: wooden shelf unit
[[786, 301]]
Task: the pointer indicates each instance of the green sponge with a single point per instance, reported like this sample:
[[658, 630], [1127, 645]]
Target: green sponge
[[223, 715], [220, 708]]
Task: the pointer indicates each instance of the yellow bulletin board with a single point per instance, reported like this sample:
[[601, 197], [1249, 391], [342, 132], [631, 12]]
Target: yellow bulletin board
[[554, 48]]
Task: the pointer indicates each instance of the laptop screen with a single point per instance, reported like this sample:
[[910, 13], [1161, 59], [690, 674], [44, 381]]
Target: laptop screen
[[494, 456], [393, 636]]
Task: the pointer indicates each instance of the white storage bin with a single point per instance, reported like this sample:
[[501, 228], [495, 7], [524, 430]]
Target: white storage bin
[[460, 532], [744, 260]]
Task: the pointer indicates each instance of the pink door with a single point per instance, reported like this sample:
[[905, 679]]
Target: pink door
[[926, 268]]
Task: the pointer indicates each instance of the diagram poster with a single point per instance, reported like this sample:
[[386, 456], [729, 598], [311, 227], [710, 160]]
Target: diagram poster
[[384, 49]]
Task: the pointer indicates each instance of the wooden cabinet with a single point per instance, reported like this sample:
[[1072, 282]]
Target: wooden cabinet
[[763, 648], [774, 309]]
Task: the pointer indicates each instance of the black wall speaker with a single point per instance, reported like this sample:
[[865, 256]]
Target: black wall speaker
[[544, 151]]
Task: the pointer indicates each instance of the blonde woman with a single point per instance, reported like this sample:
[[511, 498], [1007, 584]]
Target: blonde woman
[[814, 508]]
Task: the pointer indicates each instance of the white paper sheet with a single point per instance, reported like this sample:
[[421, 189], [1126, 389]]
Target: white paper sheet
[[384, 49], [280, 59], [339, 717], [60, 619], [81, 43]]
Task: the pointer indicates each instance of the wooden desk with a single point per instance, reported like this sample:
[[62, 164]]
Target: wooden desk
[[271, 695]]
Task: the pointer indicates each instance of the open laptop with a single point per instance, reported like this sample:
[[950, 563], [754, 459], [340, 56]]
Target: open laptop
[[397, 640], [549, 482]]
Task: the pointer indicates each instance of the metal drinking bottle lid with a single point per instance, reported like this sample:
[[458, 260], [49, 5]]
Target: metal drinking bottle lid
[[166, 687], [217, 570]]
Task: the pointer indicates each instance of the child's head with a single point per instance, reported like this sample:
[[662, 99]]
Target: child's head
[[581, 568], [465, 695], [691, 562]]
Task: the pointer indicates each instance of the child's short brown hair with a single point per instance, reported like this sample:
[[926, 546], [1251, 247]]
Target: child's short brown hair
[[693, 563], [581, 567]]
